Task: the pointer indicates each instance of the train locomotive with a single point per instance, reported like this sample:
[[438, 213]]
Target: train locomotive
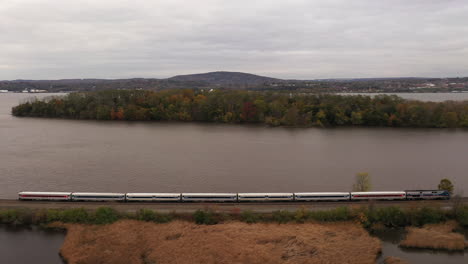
[[237, 197]]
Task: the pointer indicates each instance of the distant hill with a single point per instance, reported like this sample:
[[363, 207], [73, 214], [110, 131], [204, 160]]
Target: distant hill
[[240, 80], [223, 78]]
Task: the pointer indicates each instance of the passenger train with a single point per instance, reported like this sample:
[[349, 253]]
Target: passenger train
[[236, 197]]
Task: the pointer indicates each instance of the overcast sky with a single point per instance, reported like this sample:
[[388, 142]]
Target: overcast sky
[[303, 39]]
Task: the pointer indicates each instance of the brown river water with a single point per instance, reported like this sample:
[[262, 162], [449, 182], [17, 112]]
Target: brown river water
[[70, 155]]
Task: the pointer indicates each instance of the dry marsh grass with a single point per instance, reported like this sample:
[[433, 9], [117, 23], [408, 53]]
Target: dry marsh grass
[[435, 236], [394, 260], [132, 242]]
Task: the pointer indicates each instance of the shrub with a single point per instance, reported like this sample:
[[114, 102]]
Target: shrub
[[152, 216], [249, 217], [78, 215], [390, 216], [40, 217], [338, 214], [283, 216], [105, 215], [16, 217], [462, 216], [301, 215], [53, 215], [426, 215], [146, 215], [205, 217], [8, 216]]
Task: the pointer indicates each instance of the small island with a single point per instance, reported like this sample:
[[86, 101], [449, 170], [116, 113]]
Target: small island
[[254, 107]]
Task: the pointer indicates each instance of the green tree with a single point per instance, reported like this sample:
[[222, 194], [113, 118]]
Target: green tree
[[356, 118], [446, 184], [362, 183]]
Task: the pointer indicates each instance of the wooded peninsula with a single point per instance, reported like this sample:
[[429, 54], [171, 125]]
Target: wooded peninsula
[[240, 106]]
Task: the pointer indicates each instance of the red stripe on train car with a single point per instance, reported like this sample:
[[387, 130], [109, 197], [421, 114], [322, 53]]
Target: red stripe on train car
[[381, 195]]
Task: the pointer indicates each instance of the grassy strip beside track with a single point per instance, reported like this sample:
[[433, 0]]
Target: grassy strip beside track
[[366, 215]]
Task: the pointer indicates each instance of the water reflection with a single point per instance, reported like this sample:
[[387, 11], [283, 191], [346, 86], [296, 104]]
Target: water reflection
[[30, 245]]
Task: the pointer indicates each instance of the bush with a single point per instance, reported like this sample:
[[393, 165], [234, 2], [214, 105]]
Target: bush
[[426, 215], [78, 215], [152, 216], [105, 215], [338, 214], [283, 216], [462, 216], [390, 216], [16, 217], [8, 216], [249, 217], [301, 215], [146, 215], [53, 215], [205, 217]]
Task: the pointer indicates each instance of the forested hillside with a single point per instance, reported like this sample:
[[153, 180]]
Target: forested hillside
[[270, 108]]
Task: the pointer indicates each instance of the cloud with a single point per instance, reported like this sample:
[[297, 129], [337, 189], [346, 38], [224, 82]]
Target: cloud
[[49, 39]]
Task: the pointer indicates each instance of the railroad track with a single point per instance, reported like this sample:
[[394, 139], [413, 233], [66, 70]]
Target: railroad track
[[188, 207]]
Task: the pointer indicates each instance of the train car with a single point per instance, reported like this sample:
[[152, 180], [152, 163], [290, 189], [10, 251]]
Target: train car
[[209, 197], [82, 196], [427, 194], [378, 195], [153, 197], [322, 196], [255, 197], [49, 196]]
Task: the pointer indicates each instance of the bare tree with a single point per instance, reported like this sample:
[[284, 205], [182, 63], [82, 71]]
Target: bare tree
[[363, 182]]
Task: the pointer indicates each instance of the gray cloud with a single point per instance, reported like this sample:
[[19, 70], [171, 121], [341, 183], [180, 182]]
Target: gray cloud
[[305, 39]]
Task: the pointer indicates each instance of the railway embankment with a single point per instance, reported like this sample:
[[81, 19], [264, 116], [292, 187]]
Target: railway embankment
[[260, 207]]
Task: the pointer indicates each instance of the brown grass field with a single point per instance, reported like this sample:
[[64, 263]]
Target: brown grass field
[[394, 260], [132, 242], [439, 236]]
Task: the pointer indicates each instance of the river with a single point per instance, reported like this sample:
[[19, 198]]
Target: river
[[30, 245], [70, 155], [431, 97], [391, 238]]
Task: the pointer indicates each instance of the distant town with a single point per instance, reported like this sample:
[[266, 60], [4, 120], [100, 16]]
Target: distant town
[[239, 80]]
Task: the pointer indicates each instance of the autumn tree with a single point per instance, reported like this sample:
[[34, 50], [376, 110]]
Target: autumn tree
[[446, 184], [362, 182]]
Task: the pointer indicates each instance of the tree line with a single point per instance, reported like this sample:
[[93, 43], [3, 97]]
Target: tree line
[[240, 106]]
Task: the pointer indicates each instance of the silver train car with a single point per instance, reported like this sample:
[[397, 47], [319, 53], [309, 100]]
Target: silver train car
[[322, 196], [153, 197], [252, 197], [378, 195], [92, 196], [49, 196], [209, 197]]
